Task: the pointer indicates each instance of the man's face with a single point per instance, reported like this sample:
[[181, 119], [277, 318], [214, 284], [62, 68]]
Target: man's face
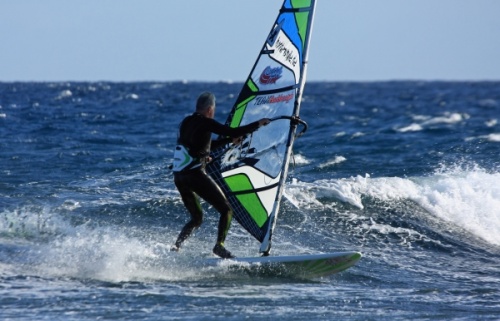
[[211, 112]]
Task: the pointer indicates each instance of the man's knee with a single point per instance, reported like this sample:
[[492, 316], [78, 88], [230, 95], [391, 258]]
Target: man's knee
[[196, 222], [225, 209]]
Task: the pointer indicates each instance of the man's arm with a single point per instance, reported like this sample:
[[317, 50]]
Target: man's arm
[[227, 131]]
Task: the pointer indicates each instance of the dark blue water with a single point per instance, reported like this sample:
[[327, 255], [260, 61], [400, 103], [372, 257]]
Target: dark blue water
[[408, 173]]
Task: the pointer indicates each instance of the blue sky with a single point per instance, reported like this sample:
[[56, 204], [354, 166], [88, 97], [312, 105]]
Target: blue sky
[[213, 40]]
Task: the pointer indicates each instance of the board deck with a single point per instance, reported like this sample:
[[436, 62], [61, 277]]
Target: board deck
[[307, 266]]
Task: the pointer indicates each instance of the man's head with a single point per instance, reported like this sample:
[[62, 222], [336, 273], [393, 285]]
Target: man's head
[[205, 104]]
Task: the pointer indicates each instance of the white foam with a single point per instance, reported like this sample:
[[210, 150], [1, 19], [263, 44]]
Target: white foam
[[493, 137], [103, 254], [491, 122], [55, 247], [132, 96], [300, 195], [300, 160], [447, 118], [357, 134], [422, 121], [411, 128], [335, 161], [306, 194], [64, 94], [31, 222], [467, 198]]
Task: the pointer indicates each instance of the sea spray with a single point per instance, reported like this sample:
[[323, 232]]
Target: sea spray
[[469, 199]]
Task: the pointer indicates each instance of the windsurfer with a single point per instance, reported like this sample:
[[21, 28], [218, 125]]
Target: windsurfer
[[191, 156]]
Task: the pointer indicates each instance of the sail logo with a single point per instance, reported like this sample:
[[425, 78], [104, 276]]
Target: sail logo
[[288, 54], [272, 36], [270, 75], [273, 99]]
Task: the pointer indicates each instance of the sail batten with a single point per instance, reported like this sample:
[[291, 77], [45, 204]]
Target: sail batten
[[253, 174]]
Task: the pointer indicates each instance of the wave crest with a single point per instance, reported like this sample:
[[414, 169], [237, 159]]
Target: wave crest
[[466, 198]]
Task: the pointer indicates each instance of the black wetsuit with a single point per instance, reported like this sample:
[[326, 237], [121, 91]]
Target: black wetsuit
[[195, 134]]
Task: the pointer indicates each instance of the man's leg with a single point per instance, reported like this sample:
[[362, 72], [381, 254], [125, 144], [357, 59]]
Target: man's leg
[[207, 189], [192, 204]]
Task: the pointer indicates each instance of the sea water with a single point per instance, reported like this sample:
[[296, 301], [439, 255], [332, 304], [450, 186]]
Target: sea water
[[408, 173]]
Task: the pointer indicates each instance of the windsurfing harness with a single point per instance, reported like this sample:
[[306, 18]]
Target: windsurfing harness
[[184, 161]]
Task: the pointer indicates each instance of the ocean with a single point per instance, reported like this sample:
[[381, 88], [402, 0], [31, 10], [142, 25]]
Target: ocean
[[405, 172]]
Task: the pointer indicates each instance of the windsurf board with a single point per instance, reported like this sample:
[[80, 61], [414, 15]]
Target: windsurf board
[[306, 266]]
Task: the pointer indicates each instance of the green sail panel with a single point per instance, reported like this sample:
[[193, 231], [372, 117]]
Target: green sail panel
[[241, 186]]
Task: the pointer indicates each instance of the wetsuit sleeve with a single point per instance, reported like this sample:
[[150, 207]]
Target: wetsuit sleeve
[[216, 143], [224, 130]]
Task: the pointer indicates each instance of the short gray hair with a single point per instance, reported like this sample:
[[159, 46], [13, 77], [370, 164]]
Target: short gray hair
[[205, 100]]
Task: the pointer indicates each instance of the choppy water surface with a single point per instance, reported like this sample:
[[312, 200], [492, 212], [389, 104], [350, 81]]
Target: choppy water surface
[[405, 172]]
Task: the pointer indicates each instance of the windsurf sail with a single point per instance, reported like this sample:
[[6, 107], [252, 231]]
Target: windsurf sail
[[253, 174]]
